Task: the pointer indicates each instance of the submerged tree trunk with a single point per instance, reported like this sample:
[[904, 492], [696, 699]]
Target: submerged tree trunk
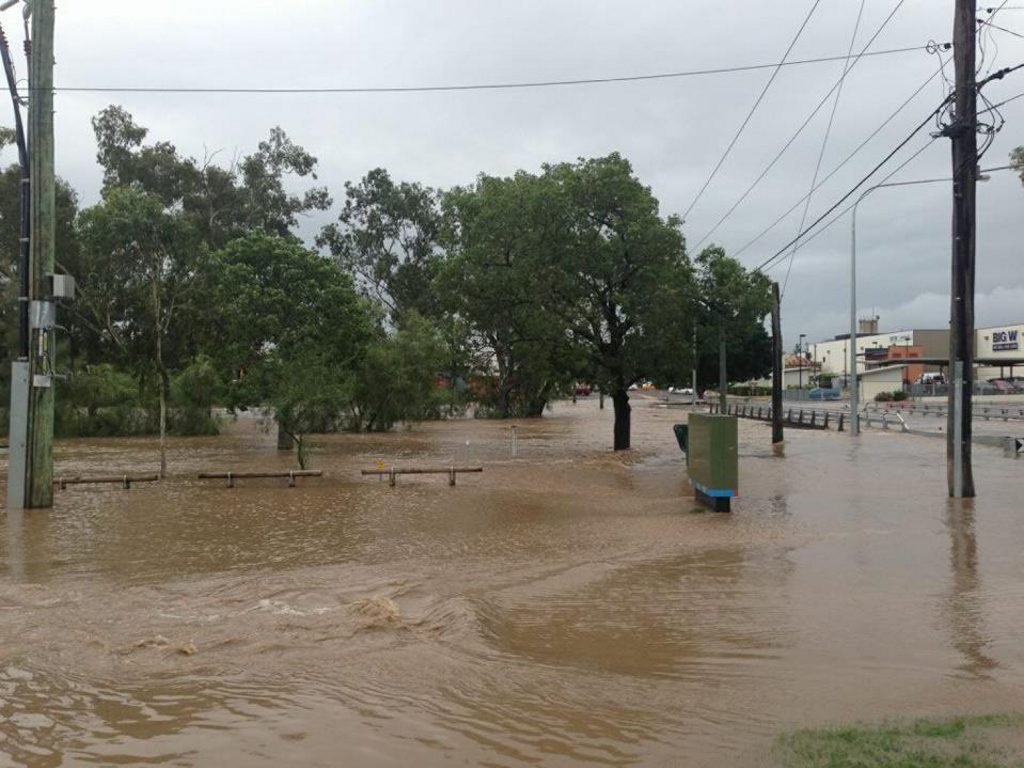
[[165, 384], [620, 399], [535, 408], [285, 442]]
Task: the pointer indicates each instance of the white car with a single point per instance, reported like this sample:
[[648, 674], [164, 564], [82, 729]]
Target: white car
[[681, 390]]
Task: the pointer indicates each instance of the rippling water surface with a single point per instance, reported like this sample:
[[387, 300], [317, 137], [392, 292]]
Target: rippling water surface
[[567, 607]]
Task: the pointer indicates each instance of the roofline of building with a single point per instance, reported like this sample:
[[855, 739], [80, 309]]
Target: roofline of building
[[846, 336]]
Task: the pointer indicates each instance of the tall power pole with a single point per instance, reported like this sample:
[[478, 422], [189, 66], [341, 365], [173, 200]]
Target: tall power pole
[[777, 435], [963, 132], [34, 487]]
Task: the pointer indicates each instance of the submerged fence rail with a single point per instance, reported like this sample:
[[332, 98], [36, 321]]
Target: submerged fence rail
[[393, 472], [798, 418], [124, 480], [291, 474]]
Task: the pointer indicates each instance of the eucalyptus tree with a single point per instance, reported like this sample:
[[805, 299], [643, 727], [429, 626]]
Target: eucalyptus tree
[[222, 200], [387, 236], [137, 284]]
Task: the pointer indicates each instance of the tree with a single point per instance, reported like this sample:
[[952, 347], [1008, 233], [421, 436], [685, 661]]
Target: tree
[[732, 306], [387, 237], [138, 269], [220, 202], [397, 379], [501, 236], [289, 330], [268, 205], [1017, 161], [621, 279]]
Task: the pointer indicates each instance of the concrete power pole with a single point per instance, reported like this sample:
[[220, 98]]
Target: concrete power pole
[[963, 133], [34, 487]]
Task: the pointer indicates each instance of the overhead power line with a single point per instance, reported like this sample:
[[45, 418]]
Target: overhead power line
[[469, 86], [753, 109], [1001, 103], [841, 165], [806, 122], [824, 143], [937, 111], [821, 230], [800, 236], [1001, 29]]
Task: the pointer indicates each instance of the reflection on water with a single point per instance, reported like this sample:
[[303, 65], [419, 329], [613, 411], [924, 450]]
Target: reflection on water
[[566, 607], [28, 541], [965, 604]]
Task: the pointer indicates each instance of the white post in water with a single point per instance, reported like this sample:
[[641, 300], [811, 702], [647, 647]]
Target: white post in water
[[515, 441]]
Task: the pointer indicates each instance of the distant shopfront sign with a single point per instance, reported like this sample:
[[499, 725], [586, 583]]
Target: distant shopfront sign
[[1006, 340]]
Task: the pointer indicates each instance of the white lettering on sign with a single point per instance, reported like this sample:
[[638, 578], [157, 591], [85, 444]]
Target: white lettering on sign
[[1005, 340]]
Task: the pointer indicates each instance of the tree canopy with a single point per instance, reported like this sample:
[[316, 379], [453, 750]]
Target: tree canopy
[[195, 289]]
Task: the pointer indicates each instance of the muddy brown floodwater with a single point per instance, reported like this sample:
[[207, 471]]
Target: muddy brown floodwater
[[567, 607]]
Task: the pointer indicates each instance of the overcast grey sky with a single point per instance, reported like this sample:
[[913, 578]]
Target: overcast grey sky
[[672, 130]]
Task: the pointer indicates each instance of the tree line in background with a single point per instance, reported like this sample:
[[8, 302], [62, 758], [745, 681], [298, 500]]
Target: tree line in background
[[194, 291]]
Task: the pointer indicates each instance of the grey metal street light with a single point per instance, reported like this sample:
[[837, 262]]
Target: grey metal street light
[[800, 363], [854, 394]]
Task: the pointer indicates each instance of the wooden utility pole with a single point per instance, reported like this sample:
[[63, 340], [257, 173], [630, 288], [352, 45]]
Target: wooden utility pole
[[776, 365], [39, 485], [963, 133]]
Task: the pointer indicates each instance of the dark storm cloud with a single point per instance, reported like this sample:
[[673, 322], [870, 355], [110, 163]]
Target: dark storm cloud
[[672, 130]]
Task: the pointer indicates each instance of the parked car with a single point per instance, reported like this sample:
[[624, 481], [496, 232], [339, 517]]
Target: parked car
[[821, 393], [681, 390], [583, 389], [1003, 387]]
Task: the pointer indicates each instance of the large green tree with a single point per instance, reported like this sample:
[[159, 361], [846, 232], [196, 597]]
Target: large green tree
[[288, 329], [621, 279], [503, 236]]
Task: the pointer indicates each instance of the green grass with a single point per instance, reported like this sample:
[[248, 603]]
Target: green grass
[[983, 741]]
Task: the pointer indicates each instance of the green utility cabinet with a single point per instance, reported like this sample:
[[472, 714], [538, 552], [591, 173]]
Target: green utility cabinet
[[713, 459]]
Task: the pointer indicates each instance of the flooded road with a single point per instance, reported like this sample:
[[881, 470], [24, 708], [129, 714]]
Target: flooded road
[[568, 607]]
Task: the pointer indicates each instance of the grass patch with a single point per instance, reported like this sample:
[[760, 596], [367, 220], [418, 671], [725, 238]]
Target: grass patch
[[981, 741]]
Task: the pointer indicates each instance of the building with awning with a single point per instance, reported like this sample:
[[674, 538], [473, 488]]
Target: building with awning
[[887, 378], [998, 352]]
